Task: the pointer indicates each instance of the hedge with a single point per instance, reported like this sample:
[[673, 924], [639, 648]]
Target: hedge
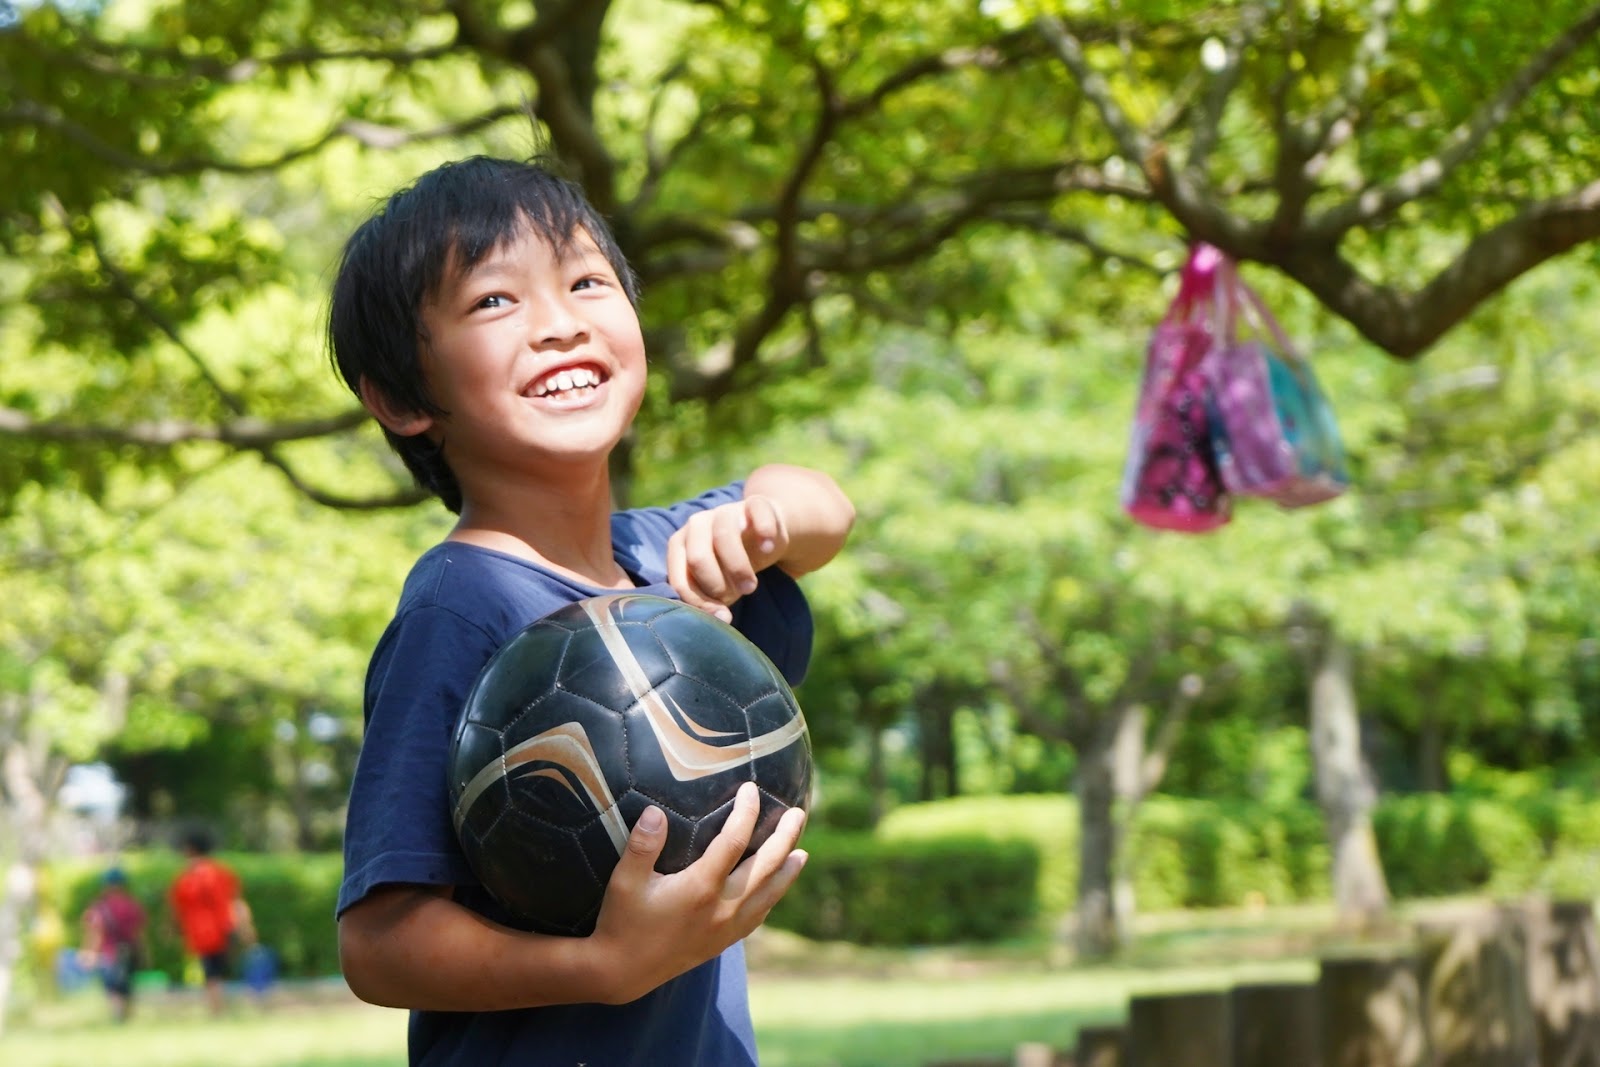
[[869, 890], [981, 868]]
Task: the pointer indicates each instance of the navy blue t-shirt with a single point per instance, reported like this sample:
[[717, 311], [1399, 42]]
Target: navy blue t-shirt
[[460, 603]]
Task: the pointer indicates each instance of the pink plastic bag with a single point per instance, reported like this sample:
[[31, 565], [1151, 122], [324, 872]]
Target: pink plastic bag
[[1171, 480]]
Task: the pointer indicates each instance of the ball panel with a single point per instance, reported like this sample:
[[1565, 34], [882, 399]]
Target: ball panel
[[473, 749], [539, 872], [560, 774], [710, 825], [679, 851], [688, 746], [719, 656], [781, 749], [614, 665], [521, 671]]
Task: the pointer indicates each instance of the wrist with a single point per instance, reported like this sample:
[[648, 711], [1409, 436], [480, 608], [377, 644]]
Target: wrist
[[602, 971]]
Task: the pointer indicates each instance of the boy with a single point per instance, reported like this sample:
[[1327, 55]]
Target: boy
[[486, 318], [211, 912]]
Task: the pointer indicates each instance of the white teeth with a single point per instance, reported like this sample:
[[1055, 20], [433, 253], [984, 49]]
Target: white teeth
[[571, 378]]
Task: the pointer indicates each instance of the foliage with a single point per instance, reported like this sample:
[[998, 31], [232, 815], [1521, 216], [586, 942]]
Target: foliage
[[880, 891], [1443, 845], [1201, 853]]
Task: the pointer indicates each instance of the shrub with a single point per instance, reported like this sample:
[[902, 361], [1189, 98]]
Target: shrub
[[872, 891], [1049, 822]]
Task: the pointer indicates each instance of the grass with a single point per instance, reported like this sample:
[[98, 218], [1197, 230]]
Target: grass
[[814, 1005], [176, 1031]]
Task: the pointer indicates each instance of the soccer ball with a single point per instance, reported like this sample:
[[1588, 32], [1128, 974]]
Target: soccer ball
[[595, 712]]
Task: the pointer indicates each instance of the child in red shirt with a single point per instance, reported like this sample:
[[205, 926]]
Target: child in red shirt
[[211, 913]]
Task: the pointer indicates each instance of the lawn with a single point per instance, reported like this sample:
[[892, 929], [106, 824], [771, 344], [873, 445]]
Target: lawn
[[814, 1005]]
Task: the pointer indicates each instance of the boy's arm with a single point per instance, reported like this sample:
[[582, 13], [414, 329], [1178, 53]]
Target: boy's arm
[[413, 947], [791, 517], [815, 514]]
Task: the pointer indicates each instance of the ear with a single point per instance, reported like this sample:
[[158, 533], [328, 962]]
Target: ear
[[394, 419]]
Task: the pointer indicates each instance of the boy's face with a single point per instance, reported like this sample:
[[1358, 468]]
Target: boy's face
[[536, 356]]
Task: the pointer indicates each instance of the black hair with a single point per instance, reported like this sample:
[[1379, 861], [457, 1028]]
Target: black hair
[[197, 840], [448, 219]]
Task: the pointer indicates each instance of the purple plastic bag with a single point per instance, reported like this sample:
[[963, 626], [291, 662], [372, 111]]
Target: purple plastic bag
[[1273, 431]]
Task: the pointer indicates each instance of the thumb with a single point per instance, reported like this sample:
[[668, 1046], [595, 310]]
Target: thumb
[[645, 843]]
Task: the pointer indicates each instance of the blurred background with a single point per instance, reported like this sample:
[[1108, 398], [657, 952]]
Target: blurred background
[[921, 244]]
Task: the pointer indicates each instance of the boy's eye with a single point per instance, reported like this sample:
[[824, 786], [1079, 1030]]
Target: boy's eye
[[585, 283], [494, 300]]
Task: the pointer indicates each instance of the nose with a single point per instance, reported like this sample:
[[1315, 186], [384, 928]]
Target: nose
[[557, 322]]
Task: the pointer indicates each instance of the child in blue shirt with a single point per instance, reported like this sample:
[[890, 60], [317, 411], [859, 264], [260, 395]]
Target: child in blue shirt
[[486, 318]]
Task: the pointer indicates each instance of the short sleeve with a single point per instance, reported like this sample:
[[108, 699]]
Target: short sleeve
[[639, 537], [399, 829]]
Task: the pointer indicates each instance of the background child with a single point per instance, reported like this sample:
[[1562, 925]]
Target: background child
[[207, 900], [113, 940]]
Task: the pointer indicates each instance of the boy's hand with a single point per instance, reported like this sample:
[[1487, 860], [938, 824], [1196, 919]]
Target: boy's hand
[[713, 560], [653, 927]]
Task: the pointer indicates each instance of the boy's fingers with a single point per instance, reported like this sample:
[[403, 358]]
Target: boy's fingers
[[729, 845], [681, 579], [734, 572], [772, 858], [764, 532]]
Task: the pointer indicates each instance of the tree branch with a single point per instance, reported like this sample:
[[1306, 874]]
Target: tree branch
[[371, 134], [1154, 765], [245, 433], [1183, 193], [1134, 146], [786, 285], [1312, 134], [242, 432], [1219, 87], [117, 59], [997, 54], [1405, 324], [1376, 202]]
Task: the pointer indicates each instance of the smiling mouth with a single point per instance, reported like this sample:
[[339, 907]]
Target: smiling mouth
[[567, 381]]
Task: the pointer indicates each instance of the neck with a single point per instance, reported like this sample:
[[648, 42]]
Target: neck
[[565, 527]]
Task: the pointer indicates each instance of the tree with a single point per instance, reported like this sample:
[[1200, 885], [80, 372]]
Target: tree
[[769, 164]]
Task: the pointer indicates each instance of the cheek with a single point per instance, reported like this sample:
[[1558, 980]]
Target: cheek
[[628, 339]]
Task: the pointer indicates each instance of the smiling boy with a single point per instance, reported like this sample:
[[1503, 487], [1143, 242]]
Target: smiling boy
[[487, 319]]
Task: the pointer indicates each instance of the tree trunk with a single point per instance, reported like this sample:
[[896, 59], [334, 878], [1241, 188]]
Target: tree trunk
[[877, 774], [1099, 932], [1108, 790], [29, 778], [1345, 789], [937, 749], [1434, 776]]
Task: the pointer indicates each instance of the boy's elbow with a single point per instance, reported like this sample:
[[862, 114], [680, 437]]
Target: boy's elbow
[[363, 971]]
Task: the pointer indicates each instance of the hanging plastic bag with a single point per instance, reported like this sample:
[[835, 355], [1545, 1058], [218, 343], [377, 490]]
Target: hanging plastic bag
[[1171, 480], [1273, 430]]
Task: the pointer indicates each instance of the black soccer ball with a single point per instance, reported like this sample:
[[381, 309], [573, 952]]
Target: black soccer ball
[[595, 712]]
